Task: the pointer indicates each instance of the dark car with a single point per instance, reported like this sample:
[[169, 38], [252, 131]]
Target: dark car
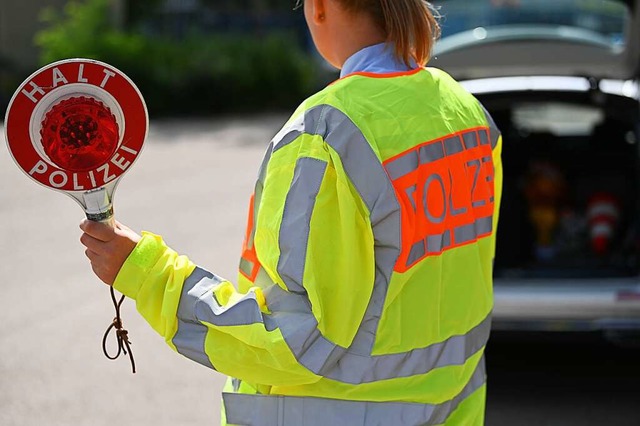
[[560, 79]]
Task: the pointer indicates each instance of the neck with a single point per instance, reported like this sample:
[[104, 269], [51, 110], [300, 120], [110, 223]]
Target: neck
[[353, 35]]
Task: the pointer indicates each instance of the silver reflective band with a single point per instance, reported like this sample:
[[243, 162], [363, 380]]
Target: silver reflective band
[[189, 342], [432, 152], [191, 335], [470, 140], [473, 231], [368, 176], [292, 315], [198, 305], [484, 138], [271, 410], [296, 221], [405, 164], [432, 244], [493, 129], [453, 145], [436, 150], [257, 194]]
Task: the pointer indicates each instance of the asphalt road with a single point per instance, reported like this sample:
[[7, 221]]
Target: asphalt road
[[192, 185]]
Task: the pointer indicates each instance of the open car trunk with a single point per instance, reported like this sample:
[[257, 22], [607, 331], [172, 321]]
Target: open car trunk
[[571, 205]]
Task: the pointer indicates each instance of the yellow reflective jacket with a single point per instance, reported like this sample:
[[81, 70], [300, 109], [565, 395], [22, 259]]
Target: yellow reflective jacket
[[365, 285]]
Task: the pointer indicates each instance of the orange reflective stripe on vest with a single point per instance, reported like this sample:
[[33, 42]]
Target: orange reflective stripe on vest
[[445, 188]]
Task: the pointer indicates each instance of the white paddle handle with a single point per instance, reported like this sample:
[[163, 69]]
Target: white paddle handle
[[98, 206]]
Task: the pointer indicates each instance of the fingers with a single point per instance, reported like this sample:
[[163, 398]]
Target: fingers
[[98, 268], [101, 267], [121, 226], [97, 230], [93, 244], [107, 248], [92, 255]]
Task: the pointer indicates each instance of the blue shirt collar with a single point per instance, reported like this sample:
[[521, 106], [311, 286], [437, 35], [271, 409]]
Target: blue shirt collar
[[379, 59]]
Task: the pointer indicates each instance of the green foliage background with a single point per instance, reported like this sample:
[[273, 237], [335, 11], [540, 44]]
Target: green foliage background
[[199, 73]]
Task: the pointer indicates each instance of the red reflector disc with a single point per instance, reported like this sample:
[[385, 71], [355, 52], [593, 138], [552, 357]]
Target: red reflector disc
[[79, 134]]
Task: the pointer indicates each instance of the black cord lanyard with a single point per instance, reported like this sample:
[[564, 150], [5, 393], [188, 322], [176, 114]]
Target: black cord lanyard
[[122, 335]]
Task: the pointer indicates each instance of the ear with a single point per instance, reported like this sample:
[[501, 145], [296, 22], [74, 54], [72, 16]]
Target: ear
[[318, 11]]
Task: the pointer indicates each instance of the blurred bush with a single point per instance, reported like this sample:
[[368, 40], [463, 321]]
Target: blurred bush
[[199, 73]]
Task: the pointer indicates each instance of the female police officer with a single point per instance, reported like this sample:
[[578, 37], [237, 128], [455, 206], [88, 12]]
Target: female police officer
[[365, 286]]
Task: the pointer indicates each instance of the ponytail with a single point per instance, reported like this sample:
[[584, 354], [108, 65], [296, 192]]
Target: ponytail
[[410, 25]]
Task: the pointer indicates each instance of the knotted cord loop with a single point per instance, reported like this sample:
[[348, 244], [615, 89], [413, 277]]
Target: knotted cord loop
[[122, 335]]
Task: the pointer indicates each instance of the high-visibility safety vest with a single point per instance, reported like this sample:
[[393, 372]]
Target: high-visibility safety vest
[[365, 285]]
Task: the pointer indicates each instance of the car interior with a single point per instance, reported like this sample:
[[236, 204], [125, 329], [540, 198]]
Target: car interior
[[571, 204]]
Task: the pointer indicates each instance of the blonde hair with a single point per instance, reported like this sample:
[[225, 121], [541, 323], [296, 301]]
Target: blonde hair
[[410, 25]]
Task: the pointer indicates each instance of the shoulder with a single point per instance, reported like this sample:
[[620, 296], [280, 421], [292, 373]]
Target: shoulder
[[316, 115], [444, 80]]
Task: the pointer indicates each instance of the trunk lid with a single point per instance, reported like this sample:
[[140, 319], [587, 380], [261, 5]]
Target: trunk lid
[[587, 38]]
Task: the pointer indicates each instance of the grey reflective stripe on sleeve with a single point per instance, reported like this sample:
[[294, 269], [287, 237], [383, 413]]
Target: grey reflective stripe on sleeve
[[296, 221], [291, 313], [370, 179], [494, 132], [290, 132], [274, 410], [198, 304], [191, 334], [368, 176], [257, 194]]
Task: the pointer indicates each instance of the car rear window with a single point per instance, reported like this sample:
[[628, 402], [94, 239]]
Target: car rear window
[[606, 19]]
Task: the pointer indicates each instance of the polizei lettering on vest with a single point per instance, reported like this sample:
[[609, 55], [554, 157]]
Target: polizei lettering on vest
[[58, 79], [444, 187], [84, 181], [434, 187]]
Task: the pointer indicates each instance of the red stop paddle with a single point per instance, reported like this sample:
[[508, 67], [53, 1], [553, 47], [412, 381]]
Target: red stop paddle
[[76, 126]]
